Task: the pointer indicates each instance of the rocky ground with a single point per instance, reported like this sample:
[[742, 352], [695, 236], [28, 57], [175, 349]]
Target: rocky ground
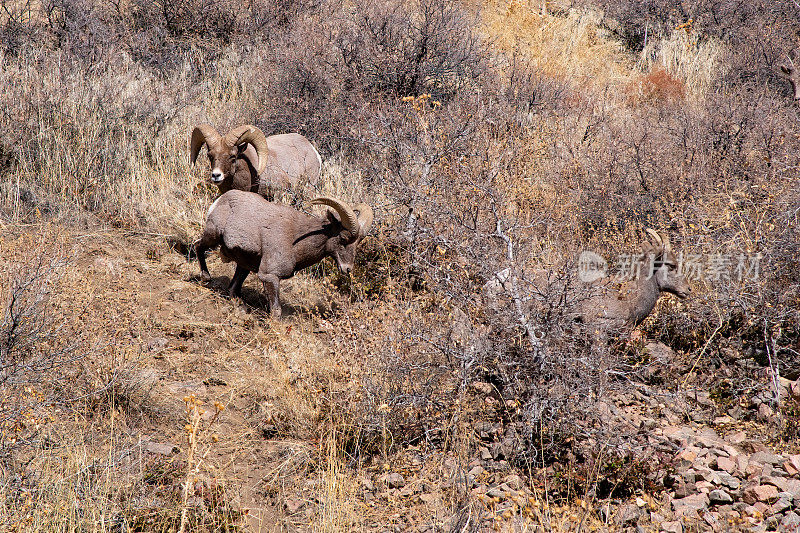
[[711, 467]]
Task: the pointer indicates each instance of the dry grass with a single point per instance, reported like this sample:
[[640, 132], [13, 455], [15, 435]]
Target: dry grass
[[571, 46], [375, 370]]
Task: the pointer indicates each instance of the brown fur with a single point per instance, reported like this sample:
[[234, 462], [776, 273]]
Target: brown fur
[[275, 240], [291, 162]]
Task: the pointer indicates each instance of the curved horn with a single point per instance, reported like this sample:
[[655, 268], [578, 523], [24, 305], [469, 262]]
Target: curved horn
[[250, 134], [349, 219], [655, 236], [666, 241], [365, 217], [202, 134]]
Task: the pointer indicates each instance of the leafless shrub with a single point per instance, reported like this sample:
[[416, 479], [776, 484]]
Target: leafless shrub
[[34, 345]]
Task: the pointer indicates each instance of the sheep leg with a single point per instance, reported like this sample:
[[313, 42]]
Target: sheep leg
[[270, 282], [235, 287], [201, 246]]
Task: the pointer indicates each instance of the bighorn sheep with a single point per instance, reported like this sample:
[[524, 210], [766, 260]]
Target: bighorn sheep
[[276, 241], [791, 72], [655, 271], [606, 302], [246, 160]]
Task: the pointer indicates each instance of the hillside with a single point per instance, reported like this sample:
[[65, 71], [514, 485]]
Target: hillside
[[443, 386]]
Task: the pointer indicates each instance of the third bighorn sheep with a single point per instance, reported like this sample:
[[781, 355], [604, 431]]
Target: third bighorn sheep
[[789, 67], [656, 271], [605, 303], [276, 241], [246, 160]]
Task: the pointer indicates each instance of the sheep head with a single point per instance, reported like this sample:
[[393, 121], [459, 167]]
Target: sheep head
[[226, 152], [354, 224], [665, 265]]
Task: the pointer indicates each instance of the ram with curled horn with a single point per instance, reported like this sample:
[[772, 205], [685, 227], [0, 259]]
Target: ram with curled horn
[[277, 241], [245, 159]]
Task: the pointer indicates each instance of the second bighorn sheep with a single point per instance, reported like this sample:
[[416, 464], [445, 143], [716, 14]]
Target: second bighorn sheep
[[276, 241], [632, 301], [246, 160]]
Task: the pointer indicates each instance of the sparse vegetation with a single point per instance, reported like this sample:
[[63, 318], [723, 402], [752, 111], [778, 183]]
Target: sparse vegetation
[[493, 140]]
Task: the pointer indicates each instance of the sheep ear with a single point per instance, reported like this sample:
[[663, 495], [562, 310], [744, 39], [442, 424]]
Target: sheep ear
[[365, 217]]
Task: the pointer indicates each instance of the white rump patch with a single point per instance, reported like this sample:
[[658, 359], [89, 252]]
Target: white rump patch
[[210, 209]]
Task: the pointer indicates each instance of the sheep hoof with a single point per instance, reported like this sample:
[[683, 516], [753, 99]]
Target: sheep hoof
[[205, 276]]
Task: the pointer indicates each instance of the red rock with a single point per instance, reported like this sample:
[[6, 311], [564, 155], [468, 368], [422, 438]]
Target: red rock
[[760, 493], [726, 464], [690, 505]]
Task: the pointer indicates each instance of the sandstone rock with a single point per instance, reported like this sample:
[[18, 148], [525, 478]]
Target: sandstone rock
[[704, 486], [790, 522], [724, 463], [741, 464], [719, 497], [752, 446], [690, 505], [784, 503], [767, 458], [737, 438], [732, 482], [794, 460], [686, 457], [760, 493], [780, 482], [684, 489]]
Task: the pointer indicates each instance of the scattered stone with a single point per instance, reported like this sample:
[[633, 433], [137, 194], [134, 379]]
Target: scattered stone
[[496, 492], [367, 484], [781, 483], [760, 493], [719, 497], [765, 412], [476, 471], [486, 455], [690, 505], [395, 480], [514, 482], [160, 448], [784, 503], [627, 514], [671, 527], [293, 505], [483, 387], [790, 522]]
